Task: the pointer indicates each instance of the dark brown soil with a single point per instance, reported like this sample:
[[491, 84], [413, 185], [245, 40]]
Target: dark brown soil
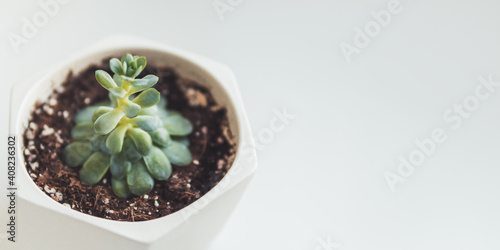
[[49, 131]]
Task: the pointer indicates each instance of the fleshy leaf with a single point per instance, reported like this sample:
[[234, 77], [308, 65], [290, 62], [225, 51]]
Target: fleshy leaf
[[133, 64], [116, 66], [162, 103], [126, 78], [120, 166], [144, 83], [161, 137], [120, 188], [149, 111], [178, 153], [137, 71], [100, 111], [162, 113], [130, 150], [147, 123], [131, 70], [142, 140], [105, 79], [158, 164], [118, 92], [118, 80], [94, 168], [131, 109], [107, 122], [95, 141], [76, 153], [125, 67], [83, 131], [139, 180], [141, 61], [115, 139], [85, 115], [182, 140], [148, 98], [102, 144], [176, 124], [127, 58], [114, 100]]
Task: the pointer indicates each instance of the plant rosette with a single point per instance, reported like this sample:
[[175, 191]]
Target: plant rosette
[[45, 223]]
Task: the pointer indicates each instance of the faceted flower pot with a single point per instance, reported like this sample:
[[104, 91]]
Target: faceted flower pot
[[44, 223]]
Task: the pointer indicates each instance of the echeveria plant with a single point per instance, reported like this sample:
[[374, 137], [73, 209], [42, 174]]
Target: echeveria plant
[[133, 135]]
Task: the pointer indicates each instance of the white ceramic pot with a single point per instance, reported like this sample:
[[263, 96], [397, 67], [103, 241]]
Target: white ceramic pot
[[46, 224]]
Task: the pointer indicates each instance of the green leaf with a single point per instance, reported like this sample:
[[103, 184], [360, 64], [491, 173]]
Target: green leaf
[[127, 58], [178, 153], [126, 78], [120, 166], [176, 124], [85, 115], [161, 137], [148, 98], [141, 61], [139, 180], [118, 92], [152, 111], [158, 165], [131, 109], [133, 64], [95, 141], [120, 188], [130, 150], [105, 79], [130, 70], [76, 153], [141, 139], [144, 83], [107, 122], [98, 112], [118, 80], [102, 144], [94, 168], [83, 131], [147, 123], [162, 103], [115, 139], [125, 67], [137, 71], [182, 140], [162, 113], [114, 100], [116, 66]]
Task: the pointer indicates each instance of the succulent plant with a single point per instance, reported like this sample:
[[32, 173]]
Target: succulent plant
[[133, 135]]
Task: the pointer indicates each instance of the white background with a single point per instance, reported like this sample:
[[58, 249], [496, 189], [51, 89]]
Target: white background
[[322, 178]]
